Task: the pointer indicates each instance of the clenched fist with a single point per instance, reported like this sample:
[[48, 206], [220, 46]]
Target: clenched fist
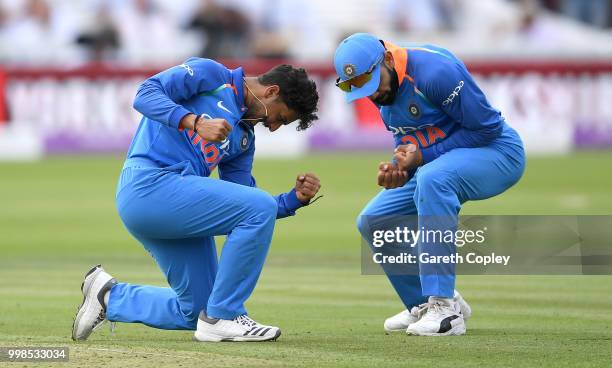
[[390, 176], [212, 130], [306, 187]]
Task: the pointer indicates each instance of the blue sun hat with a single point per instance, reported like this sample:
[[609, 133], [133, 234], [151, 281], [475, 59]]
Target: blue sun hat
[[357, 61]]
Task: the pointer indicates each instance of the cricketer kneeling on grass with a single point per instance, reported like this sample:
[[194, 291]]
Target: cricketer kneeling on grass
[[198, 116], [451, 147]]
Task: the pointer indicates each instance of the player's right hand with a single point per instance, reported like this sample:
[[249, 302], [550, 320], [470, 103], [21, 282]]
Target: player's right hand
[[212, 130], [306, 187], [390, 176]]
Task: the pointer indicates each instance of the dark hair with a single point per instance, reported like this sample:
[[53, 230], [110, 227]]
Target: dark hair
[[297, 91]]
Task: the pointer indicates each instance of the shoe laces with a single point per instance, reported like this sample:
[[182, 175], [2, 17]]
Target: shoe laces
[[436, 307], [419, 310], [245, 321], [99, 319]]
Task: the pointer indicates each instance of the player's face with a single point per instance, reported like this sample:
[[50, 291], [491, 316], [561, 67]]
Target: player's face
[[388, 87], [278, 115], [269, 110]]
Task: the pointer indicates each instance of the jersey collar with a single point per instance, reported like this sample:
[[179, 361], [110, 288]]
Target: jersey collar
[[400, 58], [238, 86]]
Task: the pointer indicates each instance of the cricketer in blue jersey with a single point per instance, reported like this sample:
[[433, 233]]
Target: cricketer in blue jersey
[[199, 116], [452, 146]]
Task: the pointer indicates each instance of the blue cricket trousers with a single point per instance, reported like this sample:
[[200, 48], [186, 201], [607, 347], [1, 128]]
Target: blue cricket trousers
[[437, 191], [175, 214]]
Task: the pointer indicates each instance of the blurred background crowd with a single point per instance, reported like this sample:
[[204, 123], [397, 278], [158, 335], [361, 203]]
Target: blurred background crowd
[[159, 32], [546, 64]]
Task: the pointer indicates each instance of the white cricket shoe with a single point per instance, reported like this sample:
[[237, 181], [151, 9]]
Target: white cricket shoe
[[92, 311], [443, 318], [241, 328], [403, 319]]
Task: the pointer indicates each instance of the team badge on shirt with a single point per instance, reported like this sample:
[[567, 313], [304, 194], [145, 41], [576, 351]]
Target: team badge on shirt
[[349, 70], [244, 141], [414, 110]]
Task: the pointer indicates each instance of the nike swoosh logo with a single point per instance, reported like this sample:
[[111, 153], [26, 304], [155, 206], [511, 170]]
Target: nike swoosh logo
[[220, 105]]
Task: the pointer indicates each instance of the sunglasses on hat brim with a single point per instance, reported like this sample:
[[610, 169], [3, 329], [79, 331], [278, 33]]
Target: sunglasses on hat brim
[[358, 81]]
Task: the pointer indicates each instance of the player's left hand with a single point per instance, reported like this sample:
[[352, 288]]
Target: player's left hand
[[408, 157], [306, 187], [390, 176]]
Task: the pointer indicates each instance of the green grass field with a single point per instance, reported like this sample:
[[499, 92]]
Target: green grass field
[[57, 218]]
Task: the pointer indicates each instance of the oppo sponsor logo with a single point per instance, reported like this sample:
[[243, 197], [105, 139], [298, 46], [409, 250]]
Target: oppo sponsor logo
[[455, 93], [407, 129]]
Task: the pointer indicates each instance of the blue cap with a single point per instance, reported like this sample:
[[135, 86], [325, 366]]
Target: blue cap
[[354, 56]]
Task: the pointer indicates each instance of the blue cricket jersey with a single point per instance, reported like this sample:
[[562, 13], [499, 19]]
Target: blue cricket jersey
[[439, 107], [198, 86]]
